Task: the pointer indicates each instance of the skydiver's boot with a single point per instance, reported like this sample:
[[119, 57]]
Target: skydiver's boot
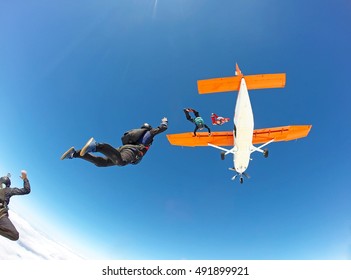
[[68, 154], [89, 147]]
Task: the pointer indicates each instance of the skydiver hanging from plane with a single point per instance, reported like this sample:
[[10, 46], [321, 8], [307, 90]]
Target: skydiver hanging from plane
[[217, 120], [136, 143], [7, 229], [198, 121]]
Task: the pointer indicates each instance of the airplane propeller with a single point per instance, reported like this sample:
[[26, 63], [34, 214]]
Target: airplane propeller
[[240, 174]]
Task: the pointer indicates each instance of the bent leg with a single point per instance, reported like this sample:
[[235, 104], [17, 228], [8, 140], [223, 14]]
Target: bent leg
[[98, 161], [7, 229], [111, 153], [187, 115], [112, 156], [129, 155]]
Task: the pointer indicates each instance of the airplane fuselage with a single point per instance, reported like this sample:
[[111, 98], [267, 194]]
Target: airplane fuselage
[[243, 129]]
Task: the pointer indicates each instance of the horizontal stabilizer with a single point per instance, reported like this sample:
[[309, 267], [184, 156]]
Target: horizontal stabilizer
[[261, 81], [225, 138]]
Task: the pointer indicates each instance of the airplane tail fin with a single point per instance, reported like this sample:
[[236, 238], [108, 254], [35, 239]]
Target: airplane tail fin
[[237, 70]]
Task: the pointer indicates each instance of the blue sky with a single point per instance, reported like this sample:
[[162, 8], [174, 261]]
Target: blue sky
[[71, 70]]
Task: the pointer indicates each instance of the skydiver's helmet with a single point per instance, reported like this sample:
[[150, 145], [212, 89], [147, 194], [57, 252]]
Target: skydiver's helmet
[[5, 181], [146, 126]]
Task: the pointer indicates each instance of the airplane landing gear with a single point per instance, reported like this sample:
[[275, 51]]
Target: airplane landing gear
[[222, 155], [265, 153], [241, 179]]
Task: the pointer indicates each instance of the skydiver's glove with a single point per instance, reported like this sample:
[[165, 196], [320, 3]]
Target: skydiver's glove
[[164, 122], [23, 175]]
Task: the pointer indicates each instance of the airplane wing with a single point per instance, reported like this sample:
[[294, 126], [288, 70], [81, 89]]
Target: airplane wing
[[225, 138], [233, 83], [188, 139]]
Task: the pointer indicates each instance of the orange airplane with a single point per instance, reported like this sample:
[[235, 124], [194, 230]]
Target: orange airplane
[[244, 136]]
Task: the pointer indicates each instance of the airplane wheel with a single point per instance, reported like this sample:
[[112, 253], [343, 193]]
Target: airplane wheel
[[241, 180], [222, 155], [265, 153]]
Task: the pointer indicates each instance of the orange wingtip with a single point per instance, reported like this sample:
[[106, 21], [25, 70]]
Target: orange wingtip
[[225, 84]]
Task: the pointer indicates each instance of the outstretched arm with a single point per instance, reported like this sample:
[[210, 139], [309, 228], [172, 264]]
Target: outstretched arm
[[161, 128], [196, 128], [26, 185], [209, 130]]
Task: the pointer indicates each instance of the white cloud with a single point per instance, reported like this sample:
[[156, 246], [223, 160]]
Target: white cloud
[[33, 244]]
